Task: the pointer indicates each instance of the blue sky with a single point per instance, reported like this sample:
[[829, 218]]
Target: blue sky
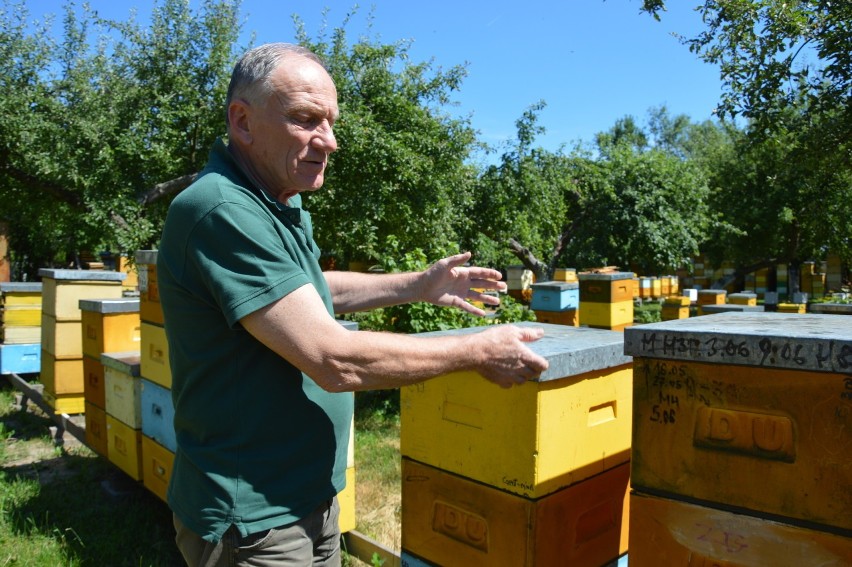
[[591, 61]]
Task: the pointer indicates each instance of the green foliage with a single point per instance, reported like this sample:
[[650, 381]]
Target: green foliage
[[89, 125], [400, 168]]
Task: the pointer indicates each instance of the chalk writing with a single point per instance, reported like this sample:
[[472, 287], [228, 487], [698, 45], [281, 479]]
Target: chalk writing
[[731, 542], [778, 352]]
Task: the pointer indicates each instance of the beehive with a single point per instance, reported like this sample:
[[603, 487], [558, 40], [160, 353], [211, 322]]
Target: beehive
[[124, 447], [158, 414], [711, 296], [20, 358], [150, 309], [123, 387], [94, 389], [110, 325], [555, 296], [746, 410], [571, 423], [569, 317], [157, 464], [450, 520], [606, 288], [96, 432], [155, 355], [792, 307], [62, 290], [615, 316], [20, 314], [743, 298], [671, 532]]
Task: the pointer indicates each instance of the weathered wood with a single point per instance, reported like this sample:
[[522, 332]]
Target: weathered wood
[[64, 422], [362, 547]]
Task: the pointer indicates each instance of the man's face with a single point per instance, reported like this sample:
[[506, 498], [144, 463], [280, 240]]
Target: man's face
[[292, 133]]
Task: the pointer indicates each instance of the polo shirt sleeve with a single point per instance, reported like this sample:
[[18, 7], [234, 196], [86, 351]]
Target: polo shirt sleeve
[[246, 258]]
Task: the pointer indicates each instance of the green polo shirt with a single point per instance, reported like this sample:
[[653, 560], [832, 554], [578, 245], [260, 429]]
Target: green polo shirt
[[259, 444]]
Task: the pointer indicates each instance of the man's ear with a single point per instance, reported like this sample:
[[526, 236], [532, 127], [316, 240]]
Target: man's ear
[[239, 117]]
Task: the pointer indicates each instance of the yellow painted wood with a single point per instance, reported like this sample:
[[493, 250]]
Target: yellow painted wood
[[670, 312], [61, 338], [531, 439], [61, 376], [346, 499], [792, 308], [451, 520], [157, 465], [64, 403], [20, 335], [123, 397], [61, 298], [678, 534], [20, 316], [606, 314], [155, 355], [110, 332], [764, 439], [570, 317], [150, 309], [124, 447], [677, 301], [12, 298]]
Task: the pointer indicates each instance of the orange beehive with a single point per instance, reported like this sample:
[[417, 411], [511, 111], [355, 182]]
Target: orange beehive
[[746, 410], [451, 520]]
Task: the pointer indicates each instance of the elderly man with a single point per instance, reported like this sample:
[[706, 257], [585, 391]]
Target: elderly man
[[262, 373]]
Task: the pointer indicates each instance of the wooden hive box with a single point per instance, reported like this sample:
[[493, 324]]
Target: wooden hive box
[[746, 410], [533, 439], [62, 290], [110, 325]]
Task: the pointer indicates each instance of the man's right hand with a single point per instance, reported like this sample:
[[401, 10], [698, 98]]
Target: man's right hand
[[503, 357]]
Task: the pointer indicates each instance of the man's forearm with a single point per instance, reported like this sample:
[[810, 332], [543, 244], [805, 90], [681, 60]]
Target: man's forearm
[[355, 291]]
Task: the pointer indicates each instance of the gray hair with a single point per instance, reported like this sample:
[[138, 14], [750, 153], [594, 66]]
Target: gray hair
[[250, 78]]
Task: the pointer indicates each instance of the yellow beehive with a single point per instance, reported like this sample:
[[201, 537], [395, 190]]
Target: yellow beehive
[[61, 375], [123, 387], [131, 281], [110, 325], [64, 403], [62, 339], [155, 355], [346, 500], [606, 315], [150, 309], [124, 447], [656, 288], [20, 316], [636, 286], [711, 296], [665, 286], [565, 275], [792, 307], [16, 294], [62, 290], [533, 439], [743, 299], [645, 287], [616, 287], [96, 432], [671, 532], [451, 520], [568, 317], [157, 464], [746, 410]]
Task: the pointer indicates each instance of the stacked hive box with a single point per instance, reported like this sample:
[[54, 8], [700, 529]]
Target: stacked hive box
[[743, 298], [710, 297], [556, 302], [518, 282], [675, 307], [761, 281], [532, 475], [124, 411], [792, 308], [782, 280], [20, 327], [158, 442], [62, 331], [833, 273], [108, 325], [606, 299], [565, 275], [741, 438]]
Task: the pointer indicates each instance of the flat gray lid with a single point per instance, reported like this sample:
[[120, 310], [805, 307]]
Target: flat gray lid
[[146, 256], [609, 276], [82, 275], [712, 292], [569, 350], [809, 342], [744, 294], [9, 287], [730, 307], [127, 362], [128, 305], [556, 286]]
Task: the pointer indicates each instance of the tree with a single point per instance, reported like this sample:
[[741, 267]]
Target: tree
[[786, 68], [89, 131], [400, 168]]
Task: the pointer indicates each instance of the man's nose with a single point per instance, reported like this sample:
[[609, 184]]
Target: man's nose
[[324, 138]]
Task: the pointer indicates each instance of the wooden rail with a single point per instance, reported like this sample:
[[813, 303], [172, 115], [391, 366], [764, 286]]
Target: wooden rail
[[64, 422]]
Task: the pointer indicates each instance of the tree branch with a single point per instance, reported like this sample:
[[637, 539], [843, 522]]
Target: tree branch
[[528, 259], [167, 188]]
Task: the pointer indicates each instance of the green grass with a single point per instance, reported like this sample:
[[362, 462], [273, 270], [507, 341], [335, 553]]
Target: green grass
[[54, 509]]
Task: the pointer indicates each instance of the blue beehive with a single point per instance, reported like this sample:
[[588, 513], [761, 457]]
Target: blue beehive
[[555, 296], [158, 414], [20, 359]]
